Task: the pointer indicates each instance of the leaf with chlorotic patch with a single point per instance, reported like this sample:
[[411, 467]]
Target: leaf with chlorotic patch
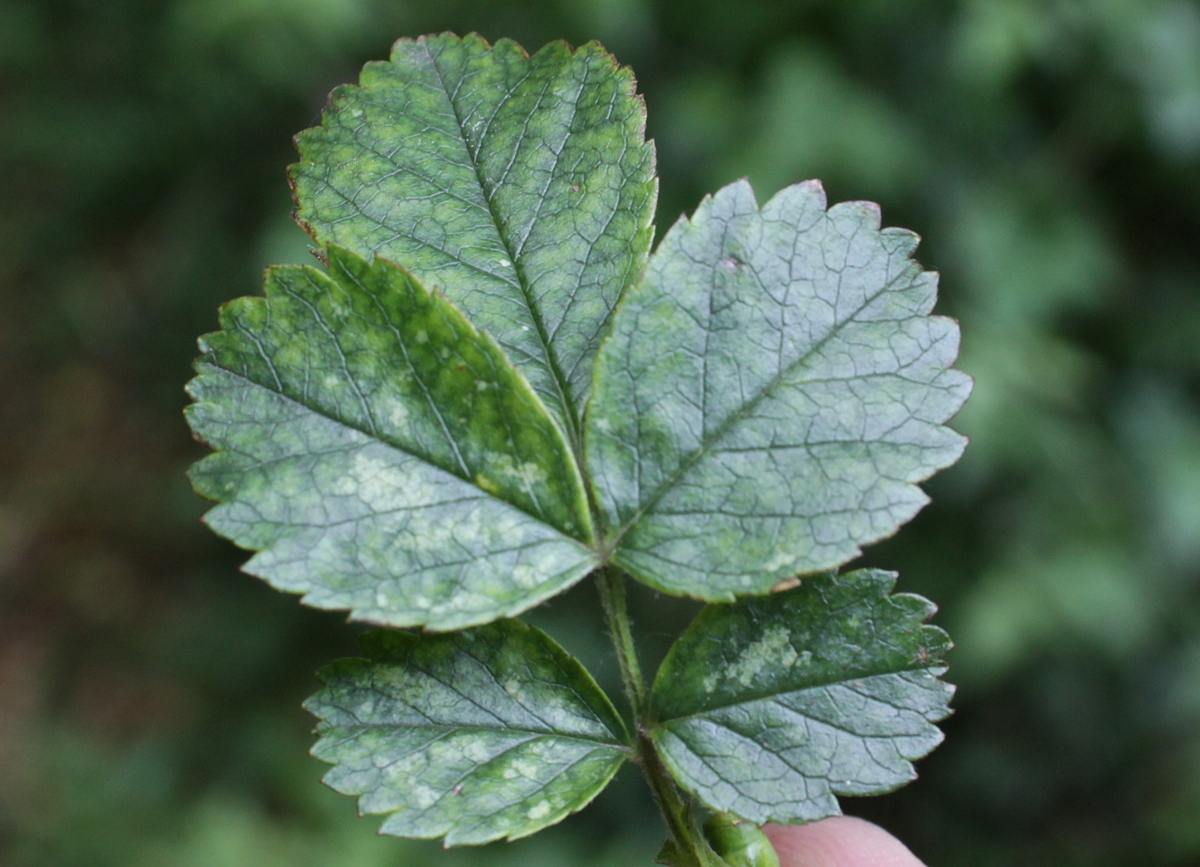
[[496, 389], [489, 733], [769, 707], [381, 454], [770, 396], [523, 187]]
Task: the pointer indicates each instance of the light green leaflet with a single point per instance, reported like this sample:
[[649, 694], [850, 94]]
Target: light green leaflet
[[489, 733], [521, 186], [381, 454], [770, 706], [770, 395]]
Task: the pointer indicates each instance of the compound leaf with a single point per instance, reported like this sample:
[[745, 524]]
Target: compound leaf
[[521, 186], [770, 395], [382, 454], [490, 733], [770, 706]]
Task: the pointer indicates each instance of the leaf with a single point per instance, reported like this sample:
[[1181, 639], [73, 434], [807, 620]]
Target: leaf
[[521, 186], [381, 454], [770, 706], [770, 395], [477, 735]]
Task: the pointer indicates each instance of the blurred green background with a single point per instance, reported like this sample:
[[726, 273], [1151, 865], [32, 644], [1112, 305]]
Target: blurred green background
[[1049, 152]]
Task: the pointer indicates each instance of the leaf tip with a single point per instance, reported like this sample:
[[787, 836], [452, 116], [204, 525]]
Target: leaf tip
[[813, 186]]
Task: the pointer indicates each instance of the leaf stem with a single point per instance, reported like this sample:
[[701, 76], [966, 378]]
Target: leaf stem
[[677, 814], [612, 596]]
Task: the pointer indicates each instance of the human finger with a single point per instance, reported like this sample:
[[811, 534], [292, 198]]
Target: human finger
[[840, 841]]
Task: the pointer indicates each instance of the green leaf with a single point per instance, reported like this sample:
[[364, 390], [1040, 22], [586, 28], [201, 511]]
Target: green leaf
[[477, 735], [770, 395], [769, 707], [382, 454], [521, 186]]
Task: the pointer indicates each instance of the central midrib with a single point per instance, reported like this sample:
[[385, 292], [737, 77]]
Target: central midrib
[[595, 743], [376, 436], [552, 364], [840, 681]]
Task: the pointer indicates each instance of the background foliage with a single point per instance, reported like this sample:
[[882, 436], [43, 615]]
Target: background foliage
[[1049, 150]]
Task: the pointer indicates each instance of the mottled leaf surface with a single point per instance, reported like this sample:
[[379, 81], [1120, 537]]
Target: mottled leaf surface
[[521, 186], [381, 454], [771, 706], [770, 395], [490, 733]]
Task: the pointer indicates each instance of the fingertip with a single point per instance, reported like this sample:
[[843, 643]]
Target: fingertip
[[840, 841]]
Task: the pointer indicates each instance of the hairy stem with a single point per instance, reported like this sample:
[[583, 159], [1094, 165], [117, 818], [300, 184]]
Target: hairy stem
[[612, 596], [676, 813]]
